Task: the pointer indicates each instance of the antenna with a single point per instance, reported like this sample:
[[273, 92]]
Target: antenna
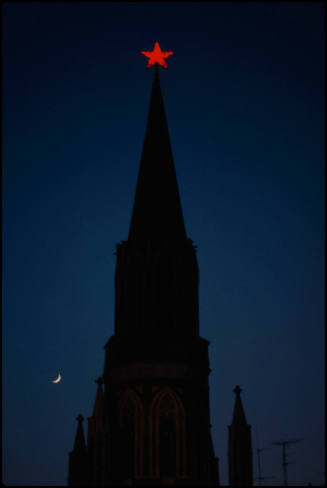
[[262, 478], [259, 450], [284, 461]]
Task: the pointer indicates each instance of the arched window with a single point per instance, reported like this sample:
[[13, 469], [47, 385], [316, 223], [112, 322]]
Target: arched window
[[167, 434], [167, 420], [130, 435]]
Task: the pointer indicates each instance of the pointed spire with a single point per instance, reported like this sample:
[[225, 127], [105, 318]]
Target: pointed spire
[[157, 212], [78, 467], [239, 446], [98, 409], [238, 415], [79, 444]]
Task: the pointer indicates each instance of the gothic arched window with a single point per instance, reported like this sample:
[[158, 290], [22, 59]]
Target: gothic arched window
[[167, 434], [130, 435]]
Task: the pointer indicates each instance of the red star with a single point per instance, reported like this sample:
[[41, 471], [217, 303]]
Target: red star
[[157, 56]]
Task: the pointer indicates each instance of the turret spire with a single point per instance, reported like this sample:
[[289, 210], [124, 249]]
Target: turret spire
[[78, 461], [239, 446], [98, 409], [238, 415], [79, 444]]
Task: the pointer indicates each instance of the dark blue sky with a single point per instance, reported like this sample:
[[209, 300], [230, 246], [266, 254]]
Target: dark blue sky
[[244, 97]]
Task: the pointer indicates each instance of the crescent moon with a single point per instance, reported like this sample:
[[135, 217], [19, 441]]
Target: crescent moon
[[58, 379]]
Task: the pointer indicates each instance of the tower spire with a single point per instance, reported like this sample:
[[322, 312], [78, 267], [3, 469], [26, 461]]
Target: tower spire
[[157, 212], [156, 267]]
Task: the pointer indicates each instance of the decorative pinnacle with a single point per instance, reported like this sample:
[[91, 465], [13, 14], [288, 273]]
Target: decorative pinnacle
[[80, 418], [157, 57], [237, 390], [99, 381]]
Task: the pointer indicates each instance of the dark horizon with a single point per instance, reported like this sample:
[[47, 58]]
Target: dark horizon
[[244, 98]]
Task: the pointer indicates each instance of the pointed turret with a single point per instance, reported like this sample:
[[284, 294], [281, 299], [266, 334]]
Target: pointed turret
[[157, 212], [239, 446], [97, 438], [98, 409], [79, 445], [78, 462], [238, 415]]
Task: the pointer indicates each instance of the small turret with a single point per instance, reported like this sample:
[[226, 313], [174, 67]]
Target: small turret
[[98, 409], [239, 446], [97, 439], [78, 461]]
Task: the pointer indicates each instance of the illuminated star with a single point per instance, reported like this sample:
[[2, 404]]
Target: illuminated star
[[157, 56]]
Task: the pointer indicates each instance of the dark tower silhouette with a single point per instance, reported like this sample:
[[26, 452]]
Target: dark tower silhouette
[[151, 425], [239, 446]]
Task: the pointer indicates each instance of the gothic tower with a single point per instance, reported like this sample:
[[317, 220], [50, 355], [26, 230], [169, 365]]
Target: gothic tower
[[151, 424], [239, 446]]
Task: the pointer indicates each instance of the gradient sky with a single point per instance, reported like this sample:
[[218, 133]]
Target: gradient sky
[[244, 98]]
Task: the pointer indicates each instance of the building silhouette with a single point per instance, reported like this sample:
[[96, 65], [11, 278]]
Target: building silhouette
[[151, 422]]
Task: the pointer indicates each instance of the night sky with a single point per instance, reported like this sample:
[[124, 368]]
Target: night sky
[[244, 98]]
